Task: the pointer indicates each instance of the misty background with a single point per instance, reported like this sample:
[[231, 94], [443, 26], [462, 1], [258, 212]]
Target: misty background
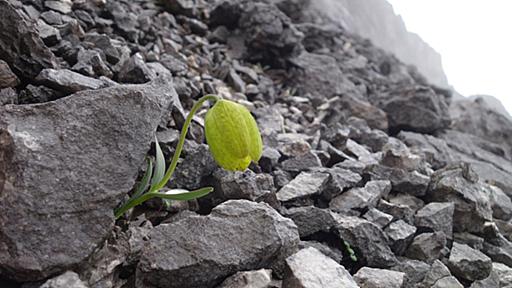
[[461, 44]]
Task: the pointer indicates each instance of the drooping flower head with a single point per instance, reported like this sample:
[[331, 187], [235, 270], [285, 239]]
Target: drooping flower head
[[232, 135]]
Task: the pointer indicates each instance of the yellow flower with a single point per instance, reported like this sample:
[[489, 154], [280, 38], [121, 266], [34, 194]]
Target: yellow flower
[[232, 135]]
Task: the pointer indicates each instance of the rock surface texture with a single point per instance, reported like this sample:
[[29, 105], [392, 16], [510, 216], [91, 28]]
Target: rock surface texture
[[370, 176], [65, 166], [254, 234]]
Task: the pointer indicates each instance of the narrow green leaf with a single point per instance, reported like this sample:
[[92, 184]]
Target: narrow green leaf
[[184, 195], [144, 183], [158, 173], [350, 251], [167, 203]]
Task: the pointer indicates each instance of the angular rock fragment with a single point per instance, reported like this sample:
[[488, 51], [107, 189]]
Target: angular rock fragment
[[504, 273], [410, 182], [459, 184], [501, 204], [361, 198], [236, 185], [305, 185], [20, 45], [39, 94], [64, 166], [469, 239], [319, 77], [268, 30], [91, 63], [197, 164], [378, 217], [434, 150], [486, 158], [491, 281], [174, 64], [415, 271], [7, 77], [437, 271], [333, 253], [368, 277], [367, 240], [105, 44], [63, 7], [477, 118], [360, 132], [414, 203], [49, 34], [397, 154], [374, 116], [400, 235], [310, 219], [468, 263], [417, 109], [427, 246], [68, 81], [269, 159], [293, 144], [497, 246], [301, 162], [447, 282], [249, 279], [309, 268], [437, 217], [185, 7], [52, 17], [336, 135], [66, 280], [237, 235], [135, 70], [398, 211], [340, 180], [359, 151], [8, 96]]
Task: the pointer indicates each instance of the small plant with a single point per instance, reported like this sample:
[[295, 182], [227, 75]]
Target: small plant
[[234, 140], [350, 251]]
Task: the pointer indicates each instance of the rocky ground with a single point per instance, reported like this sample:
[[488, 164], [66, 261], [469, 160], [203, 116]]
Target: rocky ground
[[370, 177]]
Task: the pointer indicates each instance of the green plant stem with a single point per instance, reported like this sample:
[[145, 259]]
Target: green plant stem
[[179, 147], [134, 201], [138, 199]]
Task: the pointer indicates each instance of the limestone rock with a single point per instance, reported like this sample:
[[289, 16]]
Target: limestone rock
[[368, 277], [246, 236], [65, 165], [309, 268], [437, 217], [468, 263]]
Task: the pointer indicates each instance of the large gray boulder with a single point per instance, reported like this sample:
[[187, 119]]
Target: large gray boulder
[[200, 251], [64, 166]]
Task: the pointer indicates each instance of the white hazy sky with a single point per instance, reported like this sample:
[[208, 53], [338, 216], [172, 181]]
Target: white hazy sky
[[474, 38]]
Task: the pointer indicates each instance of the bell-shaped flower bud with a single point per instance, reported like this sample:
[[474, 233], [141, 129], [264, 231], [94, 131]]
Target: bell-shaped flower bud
[[232, 135]]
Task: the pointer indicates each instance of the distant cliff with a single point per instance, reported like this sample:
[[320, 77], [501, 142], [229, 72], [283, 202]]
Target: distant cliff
[[376, 20]]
